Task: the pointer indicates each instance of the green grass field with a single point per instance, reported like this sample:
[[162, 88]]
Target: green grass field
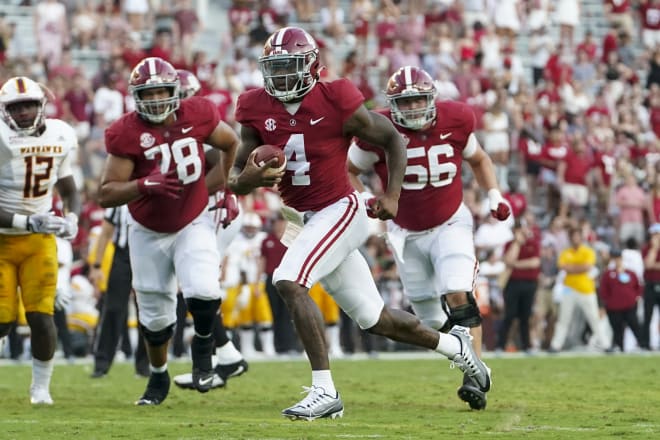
[[592, 397]]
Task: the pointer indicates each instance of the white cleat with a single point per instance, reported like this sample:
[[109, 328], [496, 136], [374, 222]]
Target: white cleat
[[316, 405], [468, 361], [40, 396]]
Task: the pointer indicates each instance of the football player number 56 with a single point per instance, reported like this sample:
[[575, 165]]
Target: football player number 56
[[436, 174], [186, 157]]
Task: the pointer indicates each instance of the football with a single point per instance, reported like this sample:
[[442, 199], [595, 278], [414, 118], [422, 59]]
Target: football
[[265, 153]]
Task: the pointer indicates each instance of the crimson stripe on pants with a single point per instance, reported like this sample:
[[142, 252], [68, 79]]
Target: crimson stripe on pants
[[328, 240]]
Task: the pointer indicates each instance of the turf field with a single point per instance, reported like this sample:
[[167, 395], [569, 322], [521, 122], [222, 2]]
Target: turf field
[[590, 397]]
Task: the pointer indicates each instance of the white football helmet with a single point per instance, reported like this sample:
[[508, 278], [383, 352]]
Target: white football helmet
[[22, 89]]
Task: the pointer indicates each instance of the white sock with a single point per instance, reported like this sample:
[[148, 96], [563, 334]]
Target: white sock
[[41, 373], [267, 342], [161, 369], [332, 333], [448, 345], [323, 379], [228, 354], [247, 341]]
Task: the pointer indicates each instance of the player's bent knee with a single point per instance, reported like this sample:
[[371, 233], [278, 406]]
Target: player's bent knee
[[158, 337]]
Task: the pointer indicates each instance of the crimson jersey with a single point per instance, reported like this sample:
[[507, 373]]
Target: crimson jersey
[[178, 146], [433, 176], [312, 139]]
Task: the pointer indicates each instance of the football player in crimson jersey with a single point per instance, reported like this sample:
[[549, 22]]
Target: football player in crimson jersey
[[156, 165], [228, 361], [434, 251], [313, 122], [36, 155]]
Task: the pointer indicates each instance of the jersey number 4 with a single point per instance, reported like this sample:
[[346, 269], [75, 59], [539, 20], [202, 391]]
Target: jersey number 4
[[186, 157], [436, 174]]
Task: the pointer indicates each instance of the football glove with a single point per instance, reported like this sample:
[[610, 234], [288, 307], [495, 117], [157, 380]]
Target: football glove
[[228, 208], [499, 208], [47, 223], [159, 184], [69, 229], [369, 200], [62, 298]]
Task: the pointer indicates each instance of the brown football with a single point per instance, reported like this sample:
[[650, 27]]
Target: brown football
[[265, 153]]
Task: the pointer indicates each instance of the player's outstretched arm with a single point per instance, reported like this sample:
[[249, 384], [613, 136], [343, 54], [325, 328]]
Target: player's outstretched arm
[[377, 130], [246, 175]]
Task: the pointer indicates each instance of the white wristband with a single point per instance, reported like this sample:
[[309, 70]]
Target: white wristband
[[19, 221]]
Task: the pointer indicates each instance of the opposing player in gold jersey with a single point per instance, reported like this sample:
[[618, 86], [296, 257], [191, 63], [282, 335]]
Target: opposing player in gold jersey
[[36, 155]]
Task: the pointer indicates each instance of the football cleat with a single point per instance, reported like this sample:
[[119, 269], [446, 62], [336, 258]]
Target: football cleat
[[316, 405], [222, 374], [201, 350], [231, 370], [157, 389], [468, 361], [40, 396], [469, 392]]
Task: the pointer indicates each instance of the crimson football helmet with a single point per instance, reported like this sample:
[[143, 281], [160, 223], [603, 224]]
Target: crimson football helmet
[[151, 73], [22, 89], [189, 84], [290, 64], [411, 82]]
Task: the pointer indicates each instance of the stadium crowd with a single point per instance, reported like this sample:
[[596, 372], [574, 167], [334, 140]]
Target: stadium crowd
[[571, 122]]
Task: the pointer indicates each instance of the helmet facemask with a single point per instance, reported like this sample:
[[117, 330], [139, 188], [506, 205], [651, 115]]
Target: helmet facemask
[[37, 122], [413, 118], [288, 77], [156, 110]]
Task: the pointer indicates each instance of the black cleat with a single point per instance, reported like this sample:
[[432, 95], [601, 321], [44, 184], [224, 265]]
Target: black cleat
[[231, 370], [469, 392], [202, 363], [157, 389]]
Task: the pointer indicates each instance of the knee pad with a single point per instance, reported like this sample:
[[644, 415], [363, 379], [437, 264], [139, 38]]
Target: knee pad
[[465, 315], [159, 337]]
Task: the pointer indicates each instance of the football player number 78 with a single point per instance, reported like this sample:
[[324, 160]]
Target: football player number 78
[[186, 157]]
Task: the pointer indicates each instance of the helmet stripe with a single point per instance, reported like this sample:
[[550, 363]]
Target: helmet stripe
[[20, 85], [152, 66], [407, 76], [279, 37]]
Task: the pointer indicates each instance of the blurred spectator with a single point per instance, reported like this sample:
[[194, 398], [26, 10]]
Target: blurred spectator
[[632, 203], [85, 26], [523, 258], [188, 24], [573, 175], [136, 11], [620, 290], [568, 16], [619, 14], [50, 22], [108, 102], [578, 291], [651, 254], [649, 11]]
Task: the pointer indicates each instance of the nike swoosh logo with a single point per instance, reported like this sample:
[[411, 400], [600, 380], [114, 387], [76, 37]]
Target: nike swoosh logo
[[316, 121], [186, 130], [444, 136], [150, 183], [206, 381]]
